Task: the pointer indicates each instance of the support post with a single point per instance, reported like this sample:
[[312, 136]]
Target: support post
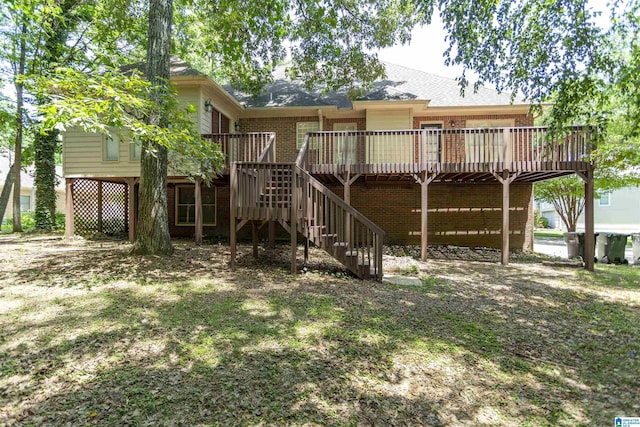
[[589, 225], [198, 216], [233, 187], [505, 217], [424, 179], [131, 207], [424, 204], [294, 218], [100, 223], [69, 221]]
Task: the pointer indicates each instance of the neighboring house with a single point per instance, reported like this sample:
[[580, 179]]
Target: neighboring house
[[27, 188], [615, 211], [410, 162]]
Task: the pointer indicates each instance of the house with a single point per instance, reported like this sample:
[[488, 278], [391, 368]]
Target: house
[[27, 187], [615, 211], [409, 162]]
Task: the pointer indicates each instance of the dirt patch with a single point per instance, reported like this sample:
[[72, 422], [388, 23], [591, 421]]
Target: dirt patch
[[90, 335]]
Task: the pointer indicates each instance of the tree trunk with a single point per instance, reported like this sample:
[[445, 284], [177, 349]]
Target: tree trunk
[[45, 180], [45, 144], [17, 164], [6, 192], [153, 217]]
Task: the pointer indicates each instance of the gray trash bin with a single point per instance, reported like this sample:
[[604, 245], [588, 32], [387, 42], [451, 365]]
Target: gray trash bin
[[573, 245], [602, 246], [582, 239], [635, 237], [611, 247]]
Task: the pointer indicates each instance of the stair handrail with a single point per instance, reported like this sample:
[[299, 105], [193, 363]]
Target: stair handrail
[[357, 215], [302, 161], [269, 152]]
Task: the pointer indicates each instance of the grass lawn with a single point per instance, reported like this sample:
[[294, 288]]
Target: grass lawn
[[92, 336], [548, 233]]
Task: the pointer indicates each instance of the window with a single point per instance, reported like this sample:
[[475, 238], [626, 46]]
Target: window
[[302, 128], [484, 144], [110, 152], [431, 141], [605, 199], [345, 146], [135, 149], [25, 203], [186, 205]]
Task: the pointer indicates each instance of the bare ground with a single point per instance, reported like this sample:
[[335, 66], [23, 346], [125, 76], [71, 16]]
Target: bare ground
[[92, 336]]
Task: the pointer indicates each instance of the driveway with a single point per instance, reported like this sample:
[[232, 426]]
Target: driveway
[[556, 247]]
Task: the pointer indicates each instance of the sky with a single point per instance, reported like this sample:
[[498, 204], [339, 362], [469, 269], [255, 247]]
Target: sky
[[427, 46]]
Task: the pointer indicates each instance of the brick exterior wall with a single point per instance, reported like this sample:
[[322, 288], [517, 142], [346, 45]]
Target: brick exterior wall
[[220, 230], [285, 129], [459, 214]]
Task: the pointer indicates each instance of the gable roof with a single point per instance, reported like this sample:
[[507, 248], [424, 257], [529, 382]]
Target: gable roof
[[177, 67], [400, 84]]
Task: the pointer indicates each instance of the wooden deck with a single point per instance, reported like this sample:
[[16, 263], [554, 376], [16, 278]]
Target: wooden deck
[[448, 152], [263, 191]]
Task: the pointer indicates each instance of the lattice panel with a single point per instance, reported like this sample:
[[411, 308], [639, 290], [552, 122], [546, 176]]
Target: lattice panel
[[100, 207]]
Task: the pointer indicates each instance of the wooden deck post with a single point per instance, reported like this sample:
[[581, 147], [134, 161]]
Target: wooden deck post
[[198, 216], [589, 226], [69, 221], [505, 217], [131, 207], [424, 179], [233, 187], [100, 222], [424, 223], [294, 218]]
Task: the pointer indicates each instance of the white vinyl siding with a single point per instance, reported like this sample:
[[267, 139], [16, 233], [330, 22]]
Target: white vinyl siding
[[83, 157], [302, 128], [186, 205], [389, 148]]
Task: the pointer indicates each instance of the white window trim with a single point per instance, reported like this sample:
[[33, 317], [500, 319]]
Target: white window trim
[[191, 224], [431, 122], [315, 127], [608, 193], [132, 145]]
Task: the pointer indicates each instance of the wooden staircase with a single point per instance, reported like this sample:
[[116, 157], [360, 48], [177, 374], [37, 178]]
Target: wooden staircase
[[266, 191]]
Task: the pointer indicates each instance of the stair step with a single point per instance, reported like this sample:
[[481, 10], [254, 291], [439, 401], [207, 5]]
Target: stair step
[[364, 269], [339, 249]]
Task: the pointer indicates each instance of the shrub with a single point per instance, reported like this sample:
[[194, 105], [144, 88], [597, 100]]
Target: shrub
[[28, 221], [540, 221]]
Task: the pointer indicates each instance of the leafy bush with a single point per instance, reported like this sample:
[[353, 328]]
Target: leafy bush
[[28, 221], [540, 221]]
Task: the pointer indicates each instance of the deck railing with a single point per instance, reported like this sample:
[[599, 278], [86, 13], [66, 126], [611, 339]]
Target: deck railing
[[245, 147], [329, 222], [462, 149]]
